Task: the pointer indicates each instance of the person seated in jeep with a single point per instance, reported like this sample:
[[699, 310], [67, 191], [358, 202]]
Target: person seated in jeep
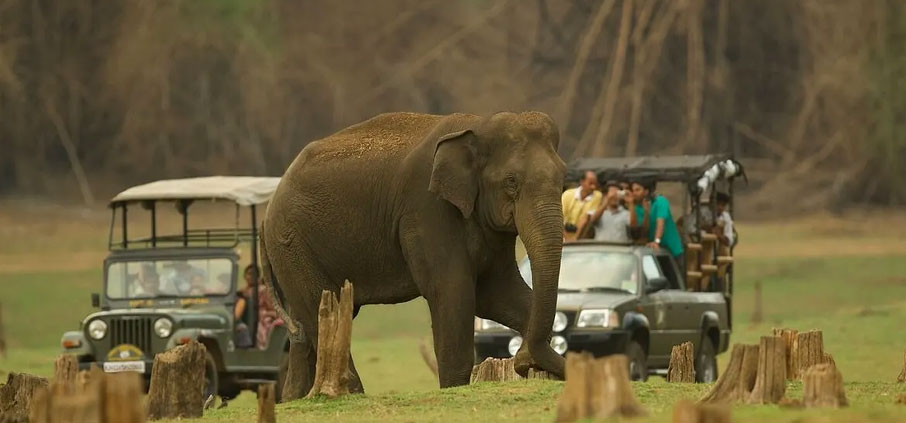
[[147, 282], [267, 314], [723, 227]]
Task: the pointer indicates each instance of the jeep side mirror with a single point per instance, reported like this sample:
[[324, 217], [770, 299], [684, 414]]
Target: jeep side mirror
[[656, 284], [96, 300]]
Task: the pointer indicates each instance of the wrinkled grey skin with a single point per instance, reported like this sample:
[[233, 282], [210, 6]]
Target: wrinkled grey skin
[[406, 205]]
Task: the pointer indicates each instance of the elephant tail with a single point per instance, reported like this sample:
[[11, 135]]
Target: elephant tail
[[273, 287]]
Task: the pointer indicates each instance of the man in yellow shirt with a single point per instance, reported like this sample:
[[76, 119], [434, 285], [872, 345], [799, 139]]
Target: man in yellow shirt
[[580, 201]]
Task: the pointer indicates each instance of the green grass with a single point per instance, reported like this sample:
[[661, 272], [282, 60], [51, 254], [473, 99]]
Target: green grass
[[859, 303]]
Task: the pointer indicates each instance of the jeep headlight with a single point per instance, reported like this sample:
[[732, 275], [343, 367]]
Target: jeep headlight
[[163, 327], [485, 324], [560, 321], [602, 318], [514, 345], [97, 329]]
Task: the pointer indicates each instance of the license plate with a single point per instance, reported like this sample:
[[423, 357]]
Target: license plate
[[124, 366]]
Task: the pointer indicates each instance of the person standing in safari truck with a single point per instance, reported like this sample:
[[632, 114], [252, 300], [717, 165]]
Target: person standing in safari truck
[[579, 201], [654, 210]]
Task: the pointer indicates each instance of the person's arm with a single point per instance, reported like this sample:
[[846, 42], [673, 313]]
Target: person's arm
[[596, 215], [658, 221], [239, 309]]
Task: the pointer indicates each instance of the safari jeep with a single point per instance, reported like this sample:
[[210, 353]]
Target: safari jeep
[[163, 290]]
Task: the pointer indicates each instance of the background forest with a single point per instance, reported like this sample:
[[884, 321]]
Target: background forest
[[96, 95]]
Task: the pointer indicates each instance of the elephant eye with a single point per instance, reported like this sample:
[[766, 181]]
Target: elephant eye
[[511, 185]]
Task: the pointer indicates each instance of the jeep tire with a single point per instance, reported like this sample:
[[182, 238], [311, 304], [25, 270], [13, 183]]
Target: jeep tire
[[638, 361], [211, 378], [706, 362]]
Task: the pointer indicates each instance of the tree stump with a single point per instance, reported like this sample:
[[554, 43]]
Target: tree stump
[[17, 395], [770, 380], [332, 372], [682, 364], [266, 403], [597, 389], [902, 377], [503, 370], [65, 370], [690, 412], [177, 383], [823, 387], [735, 384], [790, 337], [808, 350], [113, 398]]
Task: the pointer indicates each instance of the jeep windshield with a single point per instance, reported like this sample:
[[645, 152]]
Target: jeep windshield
[[593, 271], [167, 278]]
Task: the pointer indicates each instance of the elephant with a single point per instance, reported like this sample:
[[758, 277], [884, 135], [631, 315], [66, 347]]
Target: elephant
[[405, 205]]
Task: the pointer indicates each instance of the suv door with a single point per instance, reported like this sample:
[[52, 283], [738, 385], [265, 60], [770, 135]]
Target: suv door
[[686, 305], [666, 326]]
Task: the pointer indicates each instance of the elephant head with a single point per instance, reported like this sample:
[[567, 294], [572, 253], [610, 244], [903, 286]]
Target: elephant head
[[505, 172]]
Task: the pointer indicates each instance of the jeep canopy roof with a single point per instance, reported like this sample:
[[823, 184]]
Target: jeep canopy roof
[[242, 190], [687, 169]]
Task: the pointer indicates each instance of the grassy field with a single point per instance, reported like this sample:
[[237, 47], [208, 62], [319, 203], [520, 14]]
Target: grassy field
[[842, 275]]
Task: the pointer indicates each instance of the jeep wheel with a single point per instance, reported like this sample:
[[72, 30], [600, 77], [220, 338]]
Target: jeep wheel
[[210, 376], [706, 362], [638, 362]]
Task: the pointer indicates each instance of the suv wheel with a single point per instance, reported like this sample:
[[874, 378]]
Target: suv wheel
[[706, 362], [210, 376], [638, 362]]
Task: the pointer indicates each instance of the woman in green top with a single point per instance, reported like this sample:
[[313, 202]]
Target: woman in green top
[[662, 232]]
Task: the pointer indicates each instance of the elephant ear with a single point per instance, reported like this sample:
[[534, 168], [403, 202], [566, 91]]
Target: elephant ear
[[454, 176]]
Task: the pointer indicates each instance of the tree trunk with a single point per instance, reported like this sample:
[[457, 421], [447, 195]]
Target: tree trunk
[[682, 364], [65, 370], [737, 382], [808, 350], [104, 398], [17, 395], [502, 370], [266, 403], [689, 412], [770, 381], [823, 387], [597, 389], [332, 372], [757, 312], [790, 337], [177, 383], [902, 377]]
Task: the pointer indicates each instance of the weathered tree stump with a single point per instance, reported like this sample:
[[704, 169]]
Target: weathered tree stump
[[266, 400], [808, 350], [113, 398], [902, 377], [503, 370], [690, 412], [17, 395], [597, 389], [790, 337], [332, 372], [2, 335], [65, 370], [738, 380], [177, 383], [823, 387], [682, 364], [770, 380], [757, 308]]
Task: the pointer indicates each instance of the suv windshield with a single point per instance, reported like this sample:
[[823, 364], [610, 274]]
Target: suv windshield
[[593, 271], [169, 278]]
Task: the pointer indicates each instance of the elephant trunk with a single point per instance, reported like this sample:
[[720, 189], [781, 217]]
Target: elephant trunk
[[539, 221]]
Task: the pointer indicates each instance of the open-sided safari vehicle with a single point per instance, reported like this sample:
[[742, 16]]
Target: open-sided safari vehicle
[[631, 299], [166, 289]]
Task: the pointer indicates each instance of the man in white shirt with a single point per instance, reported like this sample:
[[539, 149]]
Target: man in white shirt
[[610, 219], [724, 223]]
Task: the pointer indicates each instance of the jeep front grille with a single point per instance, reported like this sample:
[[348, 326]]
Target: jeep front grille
[[132, 330]]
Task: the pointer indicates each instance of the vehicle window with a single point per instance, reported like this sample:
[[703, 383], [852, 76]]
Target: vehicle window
[[669, 271], [593, 270], [649, 266], [168, 278]]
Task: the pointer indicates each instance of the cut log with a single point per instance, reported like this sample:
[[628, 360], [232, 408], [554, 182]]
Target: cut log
[[597, 389], [266, 403], [682, 364], [17, 395], [902, 377], [808, 350], [689, 412], [65, 370], [757, 311], [177, 383], [822, 386], [332, 372], [770, 380], [502, 370], [790, 337], [738, 380]]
